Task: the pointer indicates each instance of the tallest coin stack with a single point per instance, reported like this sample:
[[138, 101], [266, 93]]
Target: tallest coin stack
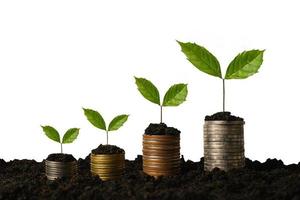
[[223, 145]]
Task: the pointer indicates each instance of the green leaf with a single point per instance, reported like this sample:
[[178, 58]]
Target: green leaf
[[117, 122], [175, 95], [51, 133], [201, 58], [245, 64], [148, 90], [70, 135], [95, 118]]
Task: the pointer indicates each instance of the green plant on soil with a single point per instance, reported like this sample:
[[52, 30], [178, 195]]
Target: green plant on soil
[[68, 137], [97, 120], [242, 66], [175, 96]]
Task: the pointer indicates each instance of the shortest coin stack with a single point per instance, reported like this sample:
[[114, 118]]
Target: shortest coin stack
[[108, 166], [161, 155], [223, 145], [56, 169]]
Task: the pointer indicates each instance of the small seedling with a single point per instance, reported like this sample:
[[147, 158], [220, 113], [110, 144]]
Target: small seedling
[[68, 137], [97, 120], [242, 66], [175, 96]]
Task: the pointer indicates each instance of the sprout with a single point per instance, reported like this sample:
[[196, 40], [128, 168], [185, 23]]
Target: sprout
[[175, 96], [242, 66], [97, 120], [68, 137]]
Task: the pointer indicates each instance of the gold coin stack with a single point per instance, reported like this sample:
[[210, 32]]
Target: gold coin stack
[[161, 155], [108, 166], [224, 145], [56, 169]]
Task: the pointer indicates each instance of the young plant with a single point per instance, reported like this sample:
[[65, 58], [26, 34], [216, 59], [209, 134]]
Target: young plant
[[97, 120], [175, 96], [242, 66], [68, 137]]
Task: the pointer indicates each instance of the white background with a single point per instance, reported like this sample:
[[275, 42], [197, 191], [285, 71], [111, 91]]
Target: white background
[[59, 56]]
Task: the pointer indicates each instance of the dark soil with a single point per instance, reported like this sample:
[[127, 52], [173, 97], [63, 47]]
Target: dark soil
[[107, 149], [161, 129], [223, 116], [271, 180], [60, 157]]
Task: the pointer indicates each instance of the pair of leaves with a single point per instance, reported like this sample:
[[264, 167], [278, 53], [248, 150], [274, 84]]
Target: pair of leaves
[[243, 65], [97, 120], [175, 96], [68, 137]]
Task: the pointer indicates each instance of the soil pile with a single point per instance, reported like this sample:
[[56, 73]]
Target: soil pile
[[161, 129], [223, 116], [25, 179], [107, 149], [60, 157]]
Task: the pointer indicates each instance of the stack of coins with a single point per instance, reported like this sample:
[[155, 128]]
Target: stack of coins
[[108, 166], [224, 145], [161, 155], [56, 169]]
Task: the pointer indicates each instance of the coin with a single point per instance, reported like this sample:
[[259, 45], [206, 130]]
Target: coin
[[225, 122], [224, 157], [223, 144]]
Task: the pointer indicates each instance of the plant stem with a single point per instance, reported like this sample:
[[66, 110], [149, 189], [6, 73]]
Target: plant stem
[[61, 149], [223, 95], [160, 113], [107, 137]]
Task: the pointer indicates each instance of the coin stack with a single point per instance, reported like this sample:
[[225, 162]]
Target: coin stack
[[108, 166], [223, 145], [161, 155], [56, 169]]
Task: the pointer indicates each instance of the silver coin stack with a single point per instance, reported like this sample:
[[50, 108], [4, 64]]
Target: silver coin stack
[[223, 145], [56, 169]]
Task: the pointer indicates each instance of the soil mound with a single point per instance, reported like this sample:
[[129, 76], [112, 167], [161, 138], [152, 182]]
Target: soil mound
[[223, 116], [161, 129]]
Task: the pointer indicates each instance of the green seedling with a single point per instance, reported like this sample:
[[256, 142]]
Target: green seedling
[[175, 96], [68, 137], [242, 66], [97, 120]]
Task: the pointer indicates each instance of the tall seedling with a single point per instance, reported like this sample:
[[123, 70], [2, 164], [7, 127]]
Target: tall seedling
[[68, 137], [97, 120], [175, 96], [242, 66]]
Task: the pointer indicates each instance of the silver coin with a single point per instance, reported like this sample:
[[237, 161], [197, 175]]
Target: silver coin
[[224, 122], [223, 144], [223, 154], [225, 157], [223, 165]]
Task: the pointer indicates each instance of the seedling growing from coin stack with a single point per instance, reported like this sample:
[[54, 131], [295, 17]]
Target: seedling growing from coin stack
[[242, 66], [68, 137], [161, 144], [223, 132], [60, 165], [97, 120], [175, 96], [107, 161]]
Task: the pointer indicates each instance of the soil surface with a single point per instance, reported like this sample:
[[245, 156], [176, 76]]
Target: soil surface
[[271, 180], [223, 116], [107, 149], [61, 157], [161, 129]]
